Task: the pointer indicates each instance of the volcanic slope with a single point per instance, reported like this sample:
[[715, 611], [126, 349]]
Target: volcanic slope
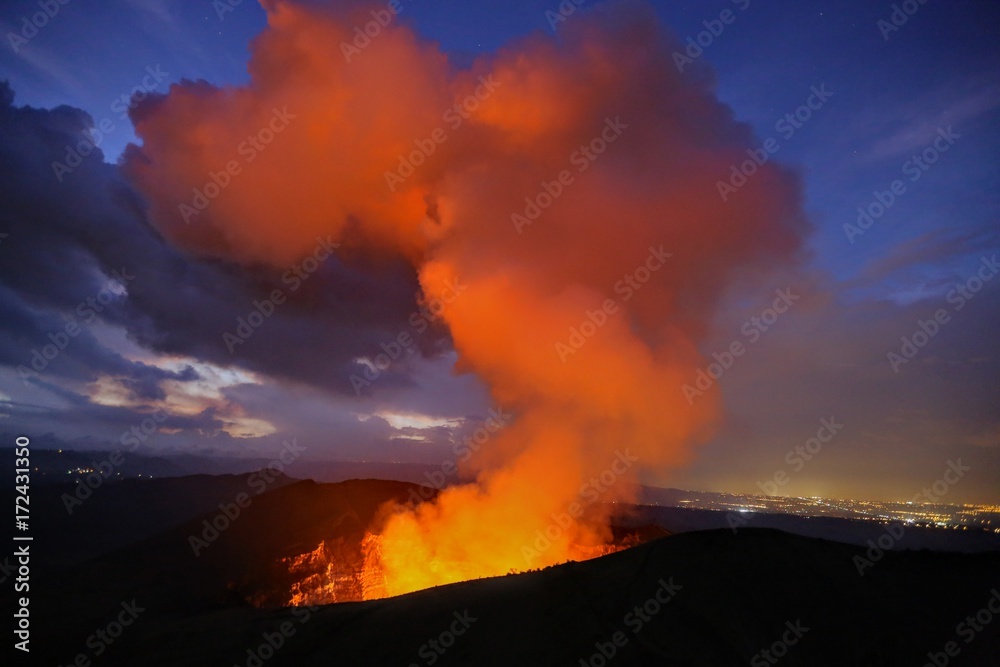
[[729, 597]]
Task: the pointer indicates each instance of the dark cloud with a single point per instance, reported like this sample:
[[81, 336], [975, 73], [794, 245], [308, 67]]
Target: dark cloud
[[79, 253], [80, 424]]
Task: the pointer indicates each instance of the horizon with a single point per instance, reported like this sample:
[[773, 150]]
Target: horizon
[[301, 466]]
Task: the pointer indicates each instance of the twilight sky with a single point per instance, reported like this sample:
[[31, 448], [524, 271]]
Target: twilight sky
[[94, 260]]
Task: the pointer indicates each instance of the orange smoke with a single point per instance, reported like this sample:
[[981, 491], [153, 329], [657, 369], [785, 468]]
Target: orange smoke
[[576, 204]]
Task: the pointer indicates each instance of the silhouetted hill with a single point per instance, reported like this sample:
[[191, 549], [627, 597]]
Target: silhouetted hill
[[734, 595], [736, 590], [76, 526]]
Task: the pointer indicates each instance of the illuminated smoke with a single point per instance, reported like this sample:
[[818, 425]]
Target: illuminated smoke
[[609, 210]]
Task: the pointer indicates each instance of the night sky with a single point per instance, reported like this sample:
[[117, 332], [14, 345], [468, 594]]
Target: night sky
[[152, 340]]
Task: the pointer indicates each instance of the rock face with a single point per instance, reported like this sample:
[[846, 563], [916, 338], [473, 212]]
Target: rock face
[[332, 572]]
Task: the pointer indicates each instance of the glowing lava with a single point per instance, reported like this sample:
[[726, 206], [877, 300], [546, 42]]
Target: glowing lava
[[390, 577], [334, 572], [328, 575]]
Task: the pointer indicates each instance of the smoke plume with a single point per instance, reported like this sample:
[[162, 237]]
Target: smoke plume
[[559, 196]]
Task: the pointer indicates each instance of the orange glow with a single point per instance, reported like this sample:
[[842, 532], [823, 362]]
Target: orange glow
[[324, 576], [650, 191], [576, 422], [333, 573]]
